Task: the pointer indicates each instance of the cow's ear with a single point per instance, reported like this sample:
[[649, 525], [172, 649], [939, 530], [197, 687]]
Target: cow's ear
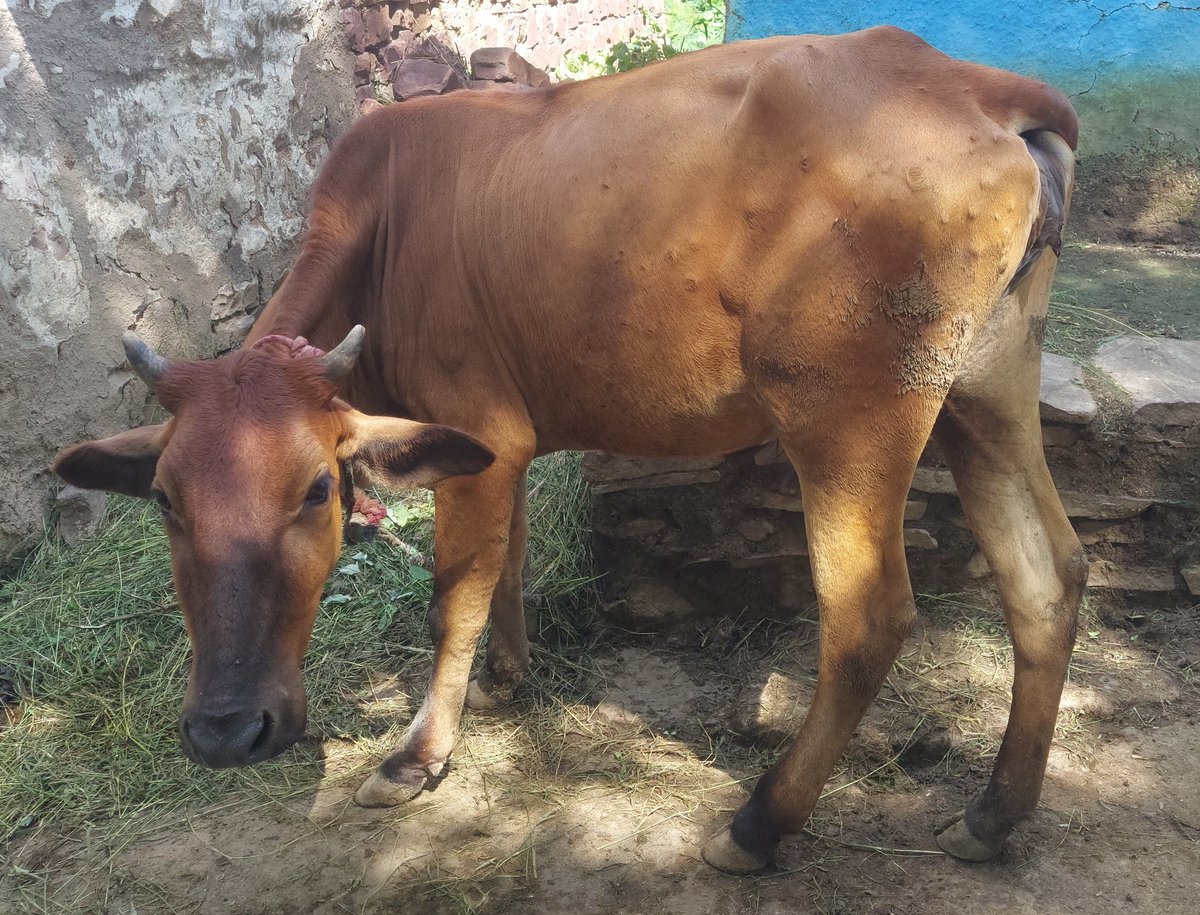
[[402, 454], [123, 463]]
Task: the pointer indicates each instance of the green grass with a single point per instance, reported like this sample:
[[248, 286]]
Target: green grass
[[693, 24], [100, 655], [1075, 330], [1103, 291]]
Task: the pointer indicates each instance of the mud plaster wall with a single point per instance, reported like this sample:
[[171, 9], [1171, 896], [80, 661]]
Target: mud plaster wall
[[155, 159], [1132, 69]]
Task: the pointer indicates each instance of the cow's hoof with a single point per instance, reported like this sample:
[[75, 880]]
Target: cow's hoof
[[958, 841], [723, 853], [381, 791], [480, 701]]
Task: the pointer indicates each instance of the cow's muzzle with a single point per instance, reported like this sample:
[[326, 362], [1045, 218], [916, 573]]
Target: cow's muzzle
[[233, 738]]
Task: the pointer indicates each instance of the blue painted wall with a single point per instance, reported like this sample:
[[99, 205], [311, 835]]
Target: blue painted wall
[[1132, 69]]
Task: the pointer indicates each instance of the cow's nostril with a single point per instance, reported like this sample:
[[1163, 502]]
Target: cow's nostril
[[264, 736]]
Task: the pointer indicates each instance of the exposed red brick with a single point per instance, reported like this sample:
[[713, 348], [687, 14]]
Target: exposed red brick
[[506, 66], [352, 22], [486, 85], [417, 76], [432, 47], [396, 51], [364, 66], [377, 25]]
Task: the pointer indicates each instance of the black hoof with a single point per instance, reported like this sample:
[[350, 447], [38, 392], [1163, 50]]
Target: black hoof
[[958, 841], [723, 852]]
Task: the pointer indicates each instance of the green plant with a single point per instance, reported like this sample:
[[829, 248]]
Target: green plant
[[693, 24], [690, 24], [623, 56]]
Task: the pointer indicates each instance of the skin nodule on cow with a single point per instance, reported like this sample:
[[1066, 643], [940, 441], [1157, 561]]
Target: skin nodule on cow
[[846, 243]]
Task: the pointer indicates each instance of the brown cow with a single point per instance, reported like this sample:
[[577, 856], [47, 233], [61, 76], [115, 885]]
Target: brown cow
[[845, 242]]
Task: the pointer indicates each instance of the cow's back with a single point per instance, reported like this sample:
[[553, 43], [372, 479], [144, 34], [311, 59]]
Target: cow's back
[[600, 250]]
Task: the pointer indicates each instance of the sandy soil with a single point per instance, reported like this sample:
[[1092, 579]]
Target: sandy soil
[[601, 805]]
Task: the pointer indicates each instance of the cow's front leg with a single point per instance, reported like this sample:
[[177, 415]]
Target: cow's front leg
[[507, 659], [471, 548]]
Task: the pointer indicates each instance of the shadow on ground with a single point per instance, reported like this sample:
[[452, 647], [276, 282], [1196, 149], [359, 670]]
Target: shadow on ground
[[601, 804]]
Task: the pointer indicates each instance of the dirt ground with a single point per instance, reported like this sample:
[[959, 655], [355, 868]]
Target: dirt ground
[[1151, 289], [601, 805]]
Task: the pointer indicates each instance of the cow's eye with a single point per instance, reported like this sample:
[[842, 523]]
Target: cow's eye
[[318, 493], [160, 498]]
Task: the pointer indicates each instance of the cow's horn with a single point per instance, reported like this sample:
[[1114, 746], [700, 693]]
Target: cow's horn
[[149, 365], [340, 360]]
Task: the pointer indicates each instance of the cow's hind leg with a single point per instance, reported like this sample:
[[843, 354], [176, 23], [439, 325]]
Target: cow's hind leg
[[855, 476], [991, 436], [507, 659]]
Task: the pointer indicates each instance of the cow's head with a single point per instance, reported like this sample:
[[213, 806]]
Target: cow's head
[[249, 474]]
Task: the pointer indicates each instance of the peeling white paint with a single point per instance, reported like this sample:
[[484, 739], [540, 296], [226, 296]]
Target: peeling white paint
[[123, 13], [253, 238], [135, 185], [44, 7], [40, 272], [165, 8], [13, 65], [207, 158]]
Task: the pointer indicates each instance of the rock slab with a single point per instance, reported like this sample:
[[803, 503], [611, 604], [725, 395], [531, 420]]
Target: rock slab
[[416, 76], [1161, 376], [650, 603], [1124, 577], [613, 473], [1064, 399]]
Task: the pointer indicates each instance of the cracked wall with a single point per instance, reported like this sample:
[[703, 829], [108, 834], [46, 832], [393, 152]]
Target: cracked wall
[[155, 160], [1132, 69]]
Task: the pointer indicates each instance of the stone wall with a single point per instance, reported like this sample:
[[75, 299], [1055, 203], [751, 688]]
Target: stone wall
[[677, 538], [543, 32]]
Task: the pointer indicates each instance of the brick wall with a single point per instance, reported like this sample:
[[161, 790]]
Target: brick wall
[[542, 31]]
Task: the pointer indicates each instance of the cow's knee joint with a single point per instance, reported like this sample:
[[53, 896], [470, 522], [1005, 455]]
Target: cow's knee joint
[[863, 661], [1076, 572]]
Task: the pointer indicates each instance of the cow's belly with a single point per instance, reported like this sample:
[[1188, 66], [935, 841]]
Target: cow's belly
[[648, 427]]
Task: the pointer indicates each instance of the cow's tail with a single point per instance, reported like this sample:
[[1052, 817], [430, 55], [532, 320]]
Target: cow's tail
[[1046, 121]]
